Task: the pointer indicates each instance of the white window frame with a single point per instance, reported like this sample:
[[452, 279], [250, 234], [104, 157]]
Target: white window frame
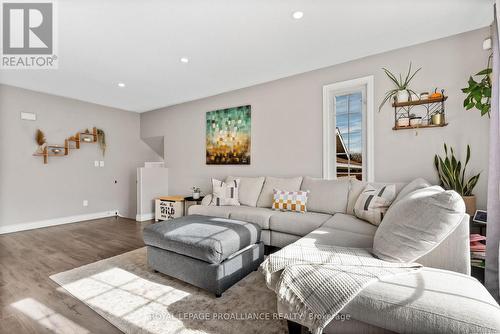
[[329, 126]]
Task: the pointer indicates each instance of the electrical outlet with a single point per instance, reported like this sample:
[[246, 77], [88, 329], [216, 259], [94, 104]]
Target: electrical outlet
[[101, 163], [85, 202], [96, 163]]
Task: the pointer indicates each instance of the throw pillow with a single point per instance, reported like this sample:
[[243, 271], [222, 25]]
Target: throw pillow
[[295, 201], [207, 200], [411, 187], [266, 195], [418, 223], [225, 193], [373, 203], [249, 190]]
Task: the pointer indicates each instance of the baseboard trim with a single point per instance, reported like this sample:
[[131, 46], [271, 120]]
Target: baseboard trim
[[56, 221], [145, 216]]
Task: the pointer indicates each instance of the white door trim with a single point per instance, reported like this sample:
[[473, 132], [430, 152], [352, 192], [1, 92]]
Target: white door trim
[[328, 91]]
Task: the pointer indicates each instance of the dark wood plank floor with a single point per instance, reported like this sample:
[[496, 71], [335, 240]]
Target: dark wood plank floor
[[29, 300]]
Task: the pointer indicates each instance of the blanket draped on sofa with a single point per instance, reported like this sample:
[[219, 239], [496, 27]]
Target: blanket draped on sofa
[[317, 281]]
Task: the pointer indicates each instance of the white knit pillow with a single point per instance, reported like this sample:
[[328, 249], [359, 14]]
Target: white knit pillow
[[373, 203], [225, 193]]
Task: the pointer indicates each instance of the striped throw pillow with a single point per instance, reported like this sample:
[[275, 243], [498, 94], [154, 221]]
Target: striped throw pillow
[[373, 202], [290, 200], [225, 193]]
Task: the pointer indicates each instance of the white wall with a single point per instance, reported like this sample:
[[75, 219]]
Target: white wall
[[287, 120], [31, 191]]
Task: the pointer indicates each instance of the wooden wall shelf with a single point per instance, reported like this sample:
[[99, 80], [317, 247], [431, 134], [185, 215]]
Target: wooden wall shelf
[[416, 127], [429, 107], [77, 139], [419, 102]]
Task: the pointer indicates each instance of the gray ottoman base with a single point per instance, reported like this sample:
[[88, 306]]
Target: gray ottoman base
[[213, 277]]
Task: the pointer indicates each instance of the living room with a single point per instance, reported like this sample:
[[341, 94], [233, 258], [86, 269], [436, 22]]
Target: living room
[[185, 167]]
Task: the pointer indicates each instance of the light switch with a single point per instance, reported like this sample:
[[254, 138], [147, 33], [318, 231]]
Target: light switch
[[96, 163], [85, 202], [101, 163]]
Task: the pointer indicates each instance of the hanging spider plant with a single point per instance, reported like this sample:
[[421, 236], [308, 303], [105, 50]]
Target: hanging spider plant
[[400, 83]]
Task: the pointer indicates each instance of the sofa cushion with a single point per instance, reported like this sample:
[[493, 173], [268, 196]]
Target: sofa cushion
[[416, 184], [280, 239], [417, 224], [295, 201], [326, 235], [209, 239], [249, 190], [429, 301], [351, 224], [326, 196], [259, 216], [266, 196], [208, 210], [297, 223], [373, 202]]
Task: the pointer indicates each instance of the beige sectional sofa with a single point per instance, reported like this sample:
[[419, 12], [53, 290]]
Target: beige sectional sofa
[[330, 207], [441, 298]]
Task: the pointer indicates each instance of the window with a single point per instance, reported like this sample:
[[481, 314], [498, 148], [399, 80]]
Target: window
[[348, 113], [348, 129]]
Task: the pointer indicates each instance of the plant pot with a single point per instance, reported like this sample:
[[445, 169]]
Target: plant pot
[[196, 195], [403, 121], [470, 204], [403, 96], [437, 119]]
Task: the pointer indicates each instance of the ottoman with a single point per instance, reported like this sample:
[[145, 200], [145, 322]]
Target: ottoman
[[208, 252]]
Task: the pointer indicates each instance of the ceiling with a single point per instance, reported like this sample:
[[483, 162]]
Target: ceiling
[[230, 44]]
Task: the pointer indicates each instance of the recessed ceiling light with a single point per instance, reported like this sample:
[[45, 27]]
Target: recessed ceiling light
[[121, 84], [297, 15], [184, 60]]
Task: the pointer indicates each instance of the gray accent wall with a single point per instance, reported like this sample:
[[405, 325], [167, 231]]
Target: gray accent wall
[[31, 191], [287, 120]]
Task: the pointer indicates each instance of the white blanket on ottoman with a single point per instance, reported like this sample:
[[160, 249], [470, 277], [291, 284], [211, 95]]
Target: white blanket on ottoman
[[319, 280]]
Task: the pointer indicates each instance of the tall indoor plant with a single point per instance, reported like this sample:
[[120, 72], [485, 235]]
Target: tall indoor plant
[[452, 177], [402, 90]]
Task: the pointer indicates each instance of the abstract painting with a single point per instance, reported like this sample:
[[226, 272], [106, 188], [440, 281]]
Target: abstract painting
[[228, 136]]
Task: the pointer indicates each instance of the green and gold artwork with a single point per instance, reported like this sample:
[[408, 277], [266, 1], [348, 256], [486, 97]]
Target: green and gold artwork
[[228, 136]]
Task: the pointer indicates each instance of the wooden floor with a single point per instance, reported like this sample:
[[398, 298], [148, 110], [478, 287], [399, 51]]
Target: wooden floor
[[30, 301]]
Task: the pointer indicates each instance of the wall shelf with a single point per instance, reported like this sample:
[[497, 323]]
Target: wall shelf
[[65, 149], [416, 127], [422, 109]]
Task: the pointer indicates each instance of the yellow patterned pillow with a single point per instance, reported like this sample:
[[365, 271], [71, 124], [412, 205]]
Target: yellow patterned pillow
[[295, 201]]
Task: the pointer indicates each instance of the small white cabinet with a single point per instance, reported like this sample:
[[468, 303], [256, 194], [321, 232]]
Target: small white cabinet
[[169, 207]]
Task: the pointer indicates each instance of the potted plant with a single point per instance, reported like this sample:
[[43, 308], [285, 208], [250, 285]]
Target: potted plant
[[196, 192], [452, 177], [479, 92], [401, 92]]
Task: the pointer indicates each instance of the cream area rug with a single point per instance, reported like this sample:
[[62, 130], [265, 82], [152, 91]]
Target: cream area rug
[[128, 294]]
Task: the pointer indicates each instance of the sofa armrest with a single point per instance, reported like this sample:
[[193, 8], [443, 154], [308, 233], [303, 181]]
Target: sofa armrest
[[453, 253]]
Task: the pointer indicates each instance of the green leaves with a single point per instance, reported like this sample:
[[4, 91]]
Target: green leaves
[[399, 83], [451, 175], [479, 92]]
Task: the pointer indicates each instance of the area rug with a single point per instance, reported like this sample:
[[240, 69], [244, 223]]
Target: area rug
[[128, 294]]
